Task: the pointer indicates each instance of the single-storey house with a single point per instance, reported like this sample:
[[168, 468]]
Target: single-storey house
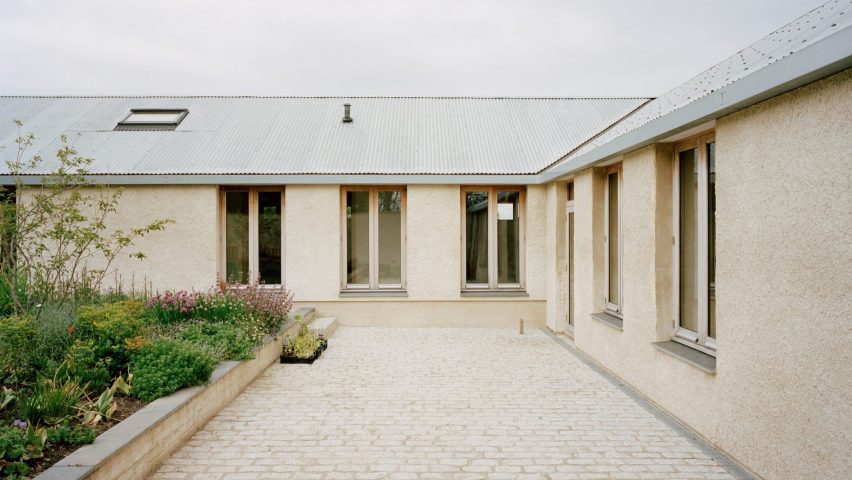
[[698, 245]]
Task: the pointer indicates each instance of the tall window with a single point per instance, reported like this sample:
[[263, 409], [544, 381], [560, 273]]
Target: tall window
[[612, 240], [374, 238], [695, 243], [569, 256], [252, 226], [493, 239]]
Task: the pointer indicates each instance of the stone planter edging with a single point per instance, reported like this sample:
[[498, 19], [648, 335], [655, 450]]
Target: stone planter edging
[[133, 448]]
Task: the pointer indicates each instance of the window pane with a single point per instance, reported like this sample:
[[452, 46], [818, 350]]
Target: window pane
[[508, 237], [571, 268], [269, 237], [688, 184], [358, 238], [476, 232], [236, 237], [612, 240], [390, 237], [711, 241]]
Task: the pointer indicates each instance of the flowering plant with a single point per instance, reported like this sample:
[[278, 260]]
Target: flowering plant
[[172, 307]]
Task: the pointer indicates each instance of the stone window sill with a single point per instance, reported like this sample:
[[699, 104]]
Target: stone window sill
[[372, 293], [609, 320], [698, 359], [494, 293]]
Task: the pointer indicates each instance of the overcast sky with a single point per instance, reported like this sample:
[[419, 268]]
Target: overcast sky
[[374, 47]]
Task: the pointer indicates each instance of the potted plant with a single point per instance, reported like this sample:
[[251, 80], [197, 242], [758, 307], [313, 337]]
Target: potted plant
[[303, 348]]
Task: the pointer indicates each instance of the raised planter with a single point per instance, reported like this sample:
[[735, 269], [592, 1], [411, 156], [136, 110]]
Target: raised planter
[[136, 446]]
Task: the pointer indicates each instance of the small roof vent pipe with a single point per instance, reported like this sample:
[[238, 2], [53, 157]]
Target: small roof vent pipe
[[346, 117]]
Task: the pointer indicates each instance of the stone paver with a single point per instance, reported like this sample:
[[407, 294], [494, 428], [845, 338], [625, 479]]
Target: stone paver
[[385, 403]]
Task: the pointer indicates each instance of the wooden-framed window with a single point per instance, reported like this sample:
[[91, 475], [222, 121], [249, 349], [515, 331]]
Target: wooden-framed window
[[694, 256], [373, 238], [613, 301], [569, 253], [251, 233], [493, 238]]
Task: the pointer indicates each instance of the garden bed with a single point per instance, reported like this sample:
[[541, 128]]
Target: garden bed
[[133, 448]]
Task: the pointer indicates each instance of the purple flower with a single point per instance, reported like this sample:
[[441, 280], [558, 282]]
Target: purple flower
[[20, 424]]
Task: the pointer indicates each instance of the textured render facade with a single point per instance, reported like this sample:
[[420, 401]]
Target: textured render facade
[[774, 391], [781, 399]]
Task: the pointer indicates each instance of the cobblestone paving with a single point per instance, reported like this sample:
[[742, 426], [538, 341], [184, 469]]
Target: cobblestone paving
[[438, 403]]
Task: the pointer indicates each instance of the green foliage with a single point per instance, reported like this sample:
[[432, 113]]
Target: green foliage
[[222, 342], [86, 366], [104, 406], [7, 396], [108, 328], [17, 339], [53, 338], [50, 235], [52, 401], [166, 365], [220, 307], [76, 435], [304, 345]]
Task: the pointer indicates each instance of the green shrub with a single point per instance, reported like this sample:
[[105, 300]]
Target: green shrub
[[304, 345], [17, 341], [223, 342], [219, 307], [166, 365], [84, 365], [53, 338], [76, 435], [15, 447], [109, 326], [52, 401]]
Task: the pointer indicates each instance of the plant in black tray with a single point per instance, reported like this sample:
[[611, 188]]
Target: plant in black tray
[[303, 348]]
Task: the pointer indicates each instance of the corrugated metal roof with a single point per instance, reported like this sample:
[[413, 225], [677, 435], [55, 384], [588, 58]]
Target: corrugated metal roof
[[819, 23], [298, 135]]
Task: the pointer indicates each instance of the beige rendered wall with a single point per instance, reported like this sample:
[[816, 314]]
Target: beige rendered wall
[[433, 262], [184, 255], [781, 400]]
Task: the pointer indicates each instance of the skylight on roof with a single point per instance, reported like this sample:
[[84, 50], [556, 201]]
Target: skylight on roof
[[152, 119]]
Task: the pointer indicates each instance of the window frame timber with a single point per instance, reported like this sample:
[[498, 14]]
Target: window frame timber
[[373, 215], [253, 231], [616, 309], [700, 339], [493, 246]]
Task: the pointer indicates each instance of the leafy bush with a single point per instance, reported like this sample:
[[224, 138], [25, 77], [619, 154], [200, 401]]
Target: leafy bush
[[223, 342], [13, 447], [17, 339], [172, 307], [166, 365], [108, 327], [53, 336], [304, 345], [76, 435], [86, 366], [52, 401]]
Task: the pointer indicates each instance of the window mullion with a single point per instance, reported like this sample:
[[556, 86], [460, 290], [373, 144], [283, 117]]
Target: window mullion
[[374, 238], [254, 267], [492, 237], [703, 267]]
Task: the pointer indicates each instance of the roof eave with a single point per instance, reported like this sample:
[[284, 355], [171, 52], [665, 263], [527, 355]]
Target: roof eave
[[826, 57]]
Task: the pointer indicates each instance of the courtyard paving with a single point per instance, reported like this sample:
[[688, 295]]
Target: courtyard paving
[[392, 403]]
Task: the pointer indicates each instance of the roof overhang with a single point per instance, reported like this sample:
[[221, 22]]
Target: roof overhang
[[826, 57], [297, 179]]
